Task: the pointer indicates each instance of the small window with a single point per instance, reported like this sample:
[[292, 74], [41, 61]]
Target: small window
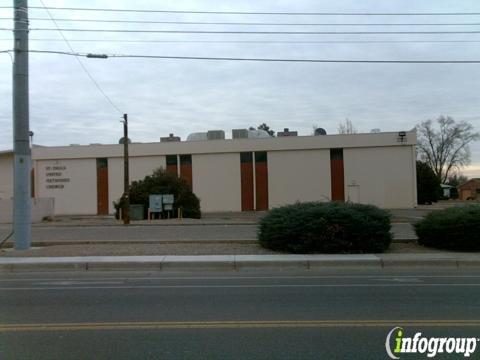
[[171, 160], [102, 163], [185, 159], [246, 157], [260, 156], [336, 154]]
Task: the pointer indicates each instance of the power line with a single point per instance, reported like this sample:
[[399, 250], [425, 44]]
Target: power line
[[97, 85], [259, 32], [258, 59], [257, 13], [9, 53], [253, 41], [245, 23]]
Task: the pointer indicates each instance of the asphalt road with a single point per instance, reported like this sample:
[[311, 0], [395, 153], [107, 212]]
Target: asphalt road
[[244, 315], [156, 233]]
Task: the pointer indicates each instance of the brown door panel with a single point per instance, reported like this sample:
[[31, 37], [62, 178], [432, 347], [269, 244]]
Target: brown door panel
[[337, 178], [246, 173], [186, 173], [102, 191], [261, 185]]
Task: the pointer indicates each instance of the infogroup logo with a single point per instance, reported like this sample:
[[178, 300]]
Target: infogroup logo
[[397, 344]]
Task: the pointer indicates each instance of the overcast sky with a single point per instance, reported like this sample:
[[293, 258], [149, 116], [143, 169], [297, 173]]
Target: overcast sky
[[183, 96]]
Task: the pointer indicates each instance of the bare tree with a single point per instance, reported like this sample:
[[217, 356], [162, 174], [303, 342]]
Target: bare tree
[[445, 149], [346, 127], [457, 179]]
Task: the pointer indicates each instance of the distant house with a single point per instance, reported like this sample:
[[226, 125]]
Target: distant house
[[470, 190]]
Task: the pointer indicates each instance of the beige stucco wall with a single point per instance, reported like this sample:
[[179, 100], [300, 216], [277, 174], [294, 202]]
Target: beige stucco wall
[[139, 167], [381, 177], [79, 195], [41, 208], [216, 181], [378, 170], [6, 176], [302, 175]]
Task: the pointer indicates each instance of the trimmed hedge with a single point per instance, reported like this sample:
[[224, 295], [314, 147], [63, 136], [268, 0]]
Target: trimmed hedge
[[316, 227], [455, 228], [162, 182]]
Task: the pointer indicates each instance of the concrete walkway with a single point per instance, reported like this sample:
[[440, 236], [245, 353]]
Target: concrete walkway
[[238, 262], [220, 218]]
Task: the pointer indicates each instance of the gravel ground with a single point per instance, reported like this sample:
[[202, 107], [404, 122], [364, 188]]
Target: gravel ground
[[173, 249], [142, 249]]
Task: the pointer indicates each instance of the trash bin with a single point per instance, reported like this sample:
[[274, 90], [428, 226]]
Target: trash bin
[[136, 212]]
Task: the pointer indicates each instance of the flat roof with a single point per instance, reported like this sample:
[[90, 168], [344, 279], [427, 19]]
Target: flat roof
[[385, 139]]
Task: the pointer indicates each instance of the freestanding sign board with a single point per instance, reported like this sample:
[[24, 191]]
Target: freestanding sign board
[[168, 200], [155, 203]]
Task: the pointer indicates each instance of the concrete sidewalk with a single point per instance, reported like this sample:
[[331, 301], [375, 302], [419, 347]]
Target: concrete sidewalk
[[218, 218], [239, 262]]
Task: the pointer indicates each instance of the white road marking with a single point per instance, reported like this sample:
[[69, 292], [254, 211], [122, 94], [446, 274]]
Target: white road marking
[[401, 279], [231, 286], [375, 277], [69, 283]]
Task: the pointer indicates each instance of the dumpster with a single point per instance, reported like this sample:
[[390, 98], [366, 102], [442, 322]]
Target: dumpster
[[136, 212]]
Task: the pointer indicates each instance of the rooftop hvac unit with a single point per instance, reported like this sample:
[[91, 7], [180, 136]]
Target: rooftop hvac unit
[[216, 135], [198, 136], [239, 134]]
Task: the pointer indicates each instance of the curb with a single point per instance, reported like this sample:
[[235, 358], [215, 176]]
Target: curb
[[234, 262], [54, 224], [9, 245], [133, 224]]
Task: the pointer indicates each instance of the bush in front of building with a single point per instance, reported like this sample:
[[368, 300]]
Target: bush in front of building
[[315, 227], [162, 182], [456, 228]]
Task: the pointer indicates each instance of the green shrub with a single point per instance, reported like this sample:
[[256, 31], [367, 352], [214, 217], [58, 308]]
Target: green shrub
[[162, 182], [455, 228], [316, 227]]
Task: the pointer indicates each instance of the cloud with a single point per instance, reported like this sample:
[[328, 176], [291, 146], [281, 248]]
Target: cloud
[[180, 96]]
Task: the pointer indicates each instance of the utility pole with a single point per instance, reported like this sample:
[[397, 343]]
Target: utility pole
[[21, 131], [126, 192]]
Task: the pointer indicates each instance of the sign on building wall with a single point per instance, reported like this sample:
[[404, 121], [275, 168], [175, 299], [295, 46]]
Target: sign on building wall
[[56, 177]]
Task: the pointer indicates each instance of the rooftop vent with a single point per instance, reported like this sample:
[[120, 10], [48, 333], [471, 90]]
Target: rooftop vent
[[287, 132], [170, 138], [121, 140]]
